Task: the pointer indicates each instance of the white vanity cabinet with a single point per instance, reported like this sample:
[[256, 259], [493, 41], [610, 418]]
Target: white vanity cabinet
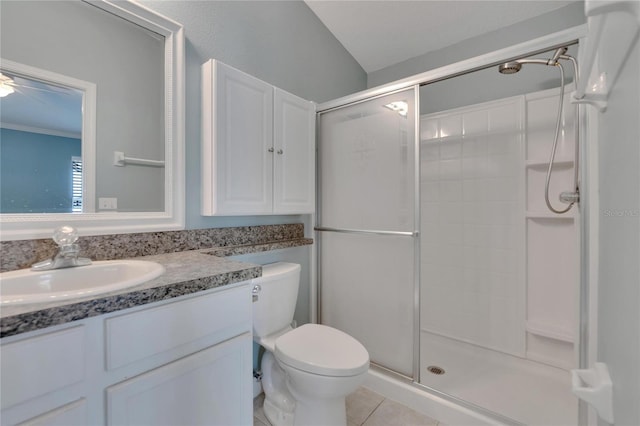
[[203, 388], [258, 146], [42, 378], [183, 361]]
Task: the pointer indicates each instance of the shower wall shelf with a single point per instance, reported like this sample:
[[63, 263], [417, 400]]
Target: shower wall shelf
[[550, 253], [549, 215], [604, 18], [550, 331], [544, 164]]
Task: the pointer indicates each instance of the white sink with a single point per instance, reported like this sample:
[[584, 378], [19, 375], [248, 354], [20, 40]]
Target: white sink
[[27, 286]]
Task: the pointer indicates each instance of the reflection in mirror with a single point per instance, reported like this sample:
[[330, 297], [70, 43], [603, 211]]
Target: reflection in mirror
[[41, 140], [135, 59], [126, 62]]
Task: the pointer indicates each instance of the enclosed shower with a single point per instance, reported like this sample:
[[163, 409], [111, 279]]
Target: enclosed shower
[[448, 238]]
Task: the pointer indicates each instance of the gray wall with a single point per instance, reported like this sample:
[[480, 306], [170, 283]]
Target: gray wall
[[126, 64], [619, 251], [548, 23], [280, 42]]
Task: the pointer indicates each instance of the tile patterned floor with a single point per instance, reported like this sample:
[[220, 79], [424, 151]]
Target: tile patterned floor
[[365, 408]]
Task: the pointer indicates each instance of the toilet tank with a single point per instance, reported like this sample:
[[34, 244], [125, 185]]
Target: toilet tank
[[273, 310]]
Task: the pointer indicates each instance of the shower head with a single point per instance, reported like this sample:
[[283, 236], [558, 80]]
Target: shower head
[[510, 67], [515, 66]]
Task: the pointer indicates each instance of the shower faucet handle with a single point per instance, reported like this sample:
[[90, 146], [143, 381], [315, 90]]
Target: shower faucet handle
[[569, 197]]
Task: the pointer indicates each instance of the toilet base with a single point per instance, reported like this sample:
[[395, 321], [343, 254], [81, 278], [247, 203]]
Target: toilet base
[[279, 404], [325, 412], [315, 406], [311, 395], [276, 415]]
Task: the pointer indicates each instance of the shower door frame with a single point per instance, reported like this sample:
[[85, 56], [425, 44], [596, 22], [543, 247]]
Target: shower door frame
[[415, 234], [586, 332]]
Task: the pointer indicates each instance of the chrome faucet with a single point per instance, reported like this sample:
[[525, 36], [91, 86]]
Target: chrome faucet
[[67, 255]]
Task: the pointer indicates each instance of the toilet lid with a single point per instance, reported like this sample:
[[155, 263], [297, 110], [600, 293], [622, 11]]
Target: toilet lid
[[323, 350]]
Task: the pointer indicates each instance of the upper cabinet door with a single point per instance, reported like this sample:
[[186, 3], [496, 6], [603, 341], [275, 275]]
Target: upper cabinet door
[[294, 161], [237, 148]]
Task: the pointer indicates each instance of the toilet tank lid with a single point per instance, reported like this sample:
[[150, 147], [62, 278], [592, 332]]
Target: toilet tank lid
[[279, 268], [322, 350]]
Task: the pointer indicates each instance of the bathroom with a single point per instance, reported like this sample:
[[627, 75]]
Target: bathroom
[[286, 45]]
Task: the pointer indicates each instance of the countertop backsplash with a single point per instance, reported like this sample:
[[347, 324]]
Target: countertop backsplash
[[23, 253], [194, 261]]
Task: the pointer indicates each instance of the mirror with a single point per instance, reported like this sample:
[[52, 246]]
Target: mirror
[[126, 65], [47, 126]]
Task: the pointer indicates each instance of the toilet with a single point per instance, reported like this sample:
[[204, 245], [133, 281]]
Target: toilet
[[306, 371]]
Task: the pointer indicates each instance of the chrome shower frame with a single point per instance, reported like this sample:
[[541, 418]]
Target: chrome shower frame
[[586, 329]]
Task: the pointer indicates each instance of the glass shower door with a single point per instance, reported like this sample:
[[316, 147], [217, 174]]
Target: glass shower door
[[367, 223]]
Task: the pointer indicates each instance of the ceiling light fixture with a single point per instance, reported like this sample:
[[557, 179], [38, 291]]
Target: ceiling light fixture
[[401, 107], [6, 85]]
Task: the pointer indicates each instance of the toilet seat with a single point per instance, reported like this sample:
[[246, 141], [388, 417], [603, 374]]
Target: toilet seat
[[269, 342], [322, 350]]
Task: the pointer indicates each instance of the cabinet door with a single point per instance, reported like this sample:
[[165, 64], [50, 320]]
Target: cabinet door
[[33, 367], [294, 163], [210, 387], [237, 142], [73, 414]]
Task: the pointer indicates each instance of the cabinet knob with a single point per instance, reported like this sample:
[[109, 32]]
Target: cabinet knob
[[270, 149], [280, 151]]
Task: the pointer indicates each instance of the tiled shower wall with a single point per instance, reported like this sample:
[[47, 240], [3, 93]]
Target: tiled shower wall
[[472, 245], [552, 240], [498, 269]]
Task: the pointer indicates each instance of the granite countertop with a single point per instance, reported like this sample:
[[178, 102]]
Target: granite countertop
[[186, 272]]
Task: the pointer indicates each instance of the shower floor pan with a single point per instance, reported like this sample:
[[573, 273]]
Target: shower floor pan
[[526, 391]]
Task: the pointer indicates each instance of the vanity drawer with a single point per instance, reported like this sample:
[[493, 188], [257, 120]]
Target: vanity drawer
[[177, 328], [209, 387], [34, 366]]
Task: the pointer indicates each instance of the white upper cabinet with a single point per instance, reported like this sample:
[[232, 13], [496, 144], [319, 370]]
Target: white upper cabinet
[[294, 161], [257, 146], [237, 136]]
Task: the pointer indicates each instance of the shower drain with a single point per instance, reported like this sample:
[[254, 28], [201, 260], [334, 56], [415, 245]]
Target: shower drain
[[433, 369]]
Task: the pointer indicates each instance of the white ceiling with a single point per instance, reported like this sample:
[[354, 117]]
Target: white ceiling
[[382, 33], [41, 108]]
